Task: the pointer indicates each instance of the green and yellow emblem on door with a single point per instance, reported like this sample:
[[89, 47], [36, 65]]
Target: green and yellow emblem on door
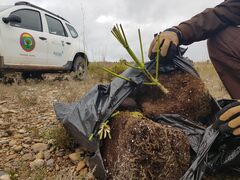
[[27, 42]]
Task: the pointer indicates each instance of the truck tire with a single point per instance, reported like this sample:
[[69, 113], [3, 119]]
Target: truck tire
[[80, 66]]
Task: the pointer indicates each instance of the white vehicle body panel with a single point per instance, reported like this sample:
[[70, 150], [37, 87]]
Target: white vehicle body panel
[[12, 48], [44, 49]]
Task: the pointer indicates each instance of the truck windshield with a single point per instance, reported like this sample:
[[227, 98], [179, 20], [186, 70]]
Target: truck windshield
[[2, 8]]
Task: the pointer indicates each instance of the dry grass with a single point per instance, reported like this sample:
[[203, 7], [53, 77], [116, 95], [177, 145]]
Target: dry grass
[[42, 94], [39, 173], [96, 71], [71, 91], [27, 100], [211, 79], [205, 69], [58, 137], [7, 91], [70, 174]]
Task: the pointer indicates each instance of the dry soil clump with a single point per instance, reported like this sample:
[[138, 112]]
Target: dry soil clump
[[187, 97], [143, 149]]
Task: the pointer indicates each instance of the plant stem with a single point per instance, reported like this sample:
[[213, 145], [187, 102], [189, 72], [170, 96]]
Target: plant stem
[[132, 66], [141, 46], [118, 32], [115, 74], [158, 58], [151, 78]]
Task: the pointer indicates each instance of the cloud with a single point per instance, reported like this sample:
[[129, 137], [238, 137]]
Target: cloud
[[95, 18], [105, 19]]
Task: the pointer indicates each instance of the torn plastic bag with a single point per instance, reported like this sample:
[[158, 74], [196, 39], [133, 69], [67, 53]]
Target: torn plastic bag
[[215, 152], [193, 131], [82, 119]]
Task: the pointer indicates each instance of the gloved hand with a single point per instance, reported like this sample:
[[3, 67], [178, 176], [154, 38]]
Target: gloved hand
[[169, 40], [228, 119]]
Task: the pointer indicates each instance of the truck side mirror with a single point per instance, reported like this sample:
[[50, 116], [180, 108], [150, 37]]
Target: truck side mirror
[[12, 18]]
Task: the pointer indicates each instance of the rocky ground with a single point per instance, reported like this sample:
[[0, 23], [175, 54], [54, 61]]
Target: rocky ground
[[33, 145]]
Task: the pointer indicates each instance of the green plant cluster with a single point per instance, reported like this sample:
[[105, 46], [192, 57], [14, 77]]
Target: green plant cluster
[[119, 34], [58, 137]]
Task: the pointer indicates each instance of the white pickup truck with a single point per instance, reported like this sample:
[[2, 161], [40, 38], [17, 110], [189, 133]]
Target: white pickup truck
[[33, 39]]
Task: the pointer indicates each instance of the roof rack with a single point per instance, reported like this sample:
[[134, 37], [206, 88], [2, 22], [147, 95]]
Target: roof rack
[[34, 6]]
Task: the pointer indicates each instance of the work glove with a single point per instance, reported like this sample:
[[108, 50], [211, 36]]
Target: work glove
[[169, 41], [228, 119]]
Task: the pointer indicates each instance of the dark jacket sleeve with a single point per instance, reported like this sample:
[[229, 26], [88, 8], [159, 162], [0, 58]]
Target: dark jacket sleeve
[[204, 25]]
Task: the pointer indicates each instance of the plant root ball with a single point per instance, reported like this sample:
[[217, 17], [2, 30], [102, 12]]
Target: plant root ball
[[187, 97], [143, 149]]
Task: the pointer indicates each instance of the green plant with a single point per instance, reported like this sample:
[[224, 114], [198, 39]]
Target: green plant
[[28, 99], [104, 129], [118, 32], [38, 173], [59, 137]]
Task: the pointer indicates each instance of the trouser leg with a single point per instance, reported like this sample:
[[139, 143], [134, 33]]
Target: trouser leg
[[224, 52]]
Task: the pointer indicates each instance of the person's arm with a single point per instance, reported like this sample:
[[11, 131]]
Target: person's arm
[[204, 25]]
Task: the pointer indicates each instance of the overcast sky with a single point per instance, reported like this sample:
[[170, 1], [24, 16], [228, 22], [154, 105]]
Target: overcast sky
[[150, 16]]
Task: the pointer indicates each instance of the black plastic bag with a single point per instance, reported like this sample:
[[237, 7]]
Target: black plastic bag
[[83, 118]]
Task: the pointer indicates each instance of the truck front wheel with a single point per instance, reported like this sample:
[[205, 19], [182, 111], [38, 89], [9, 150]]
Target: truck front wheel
[[80, 68]]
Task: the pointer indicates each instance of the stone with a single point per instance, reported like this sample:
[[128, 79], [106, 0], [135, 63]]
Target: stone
[[80, 150], [40, 155], [27, 157], [39, 147], [60, 154], [65, 157], [2, 173], [57, 167], [80, 166], [47, 155], [37, 163], [22, 131], [5, 177], [75, 156], [17, 148], [3, 102], [50, 163], [4, 141], [7, 111], [4, 134], [27, 140], [11, 157], [83, 172], [18, 136], [25, 145]]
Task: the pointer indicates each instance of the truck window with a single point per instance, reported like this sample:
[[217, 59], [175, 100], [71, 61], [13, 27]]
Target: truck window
[[55, 26], [72, 31], [30, 19]]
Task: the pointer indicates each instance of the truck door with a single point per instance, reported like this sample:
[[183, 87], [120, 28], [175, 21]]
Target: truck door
[[57, 42], [25, 42]]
